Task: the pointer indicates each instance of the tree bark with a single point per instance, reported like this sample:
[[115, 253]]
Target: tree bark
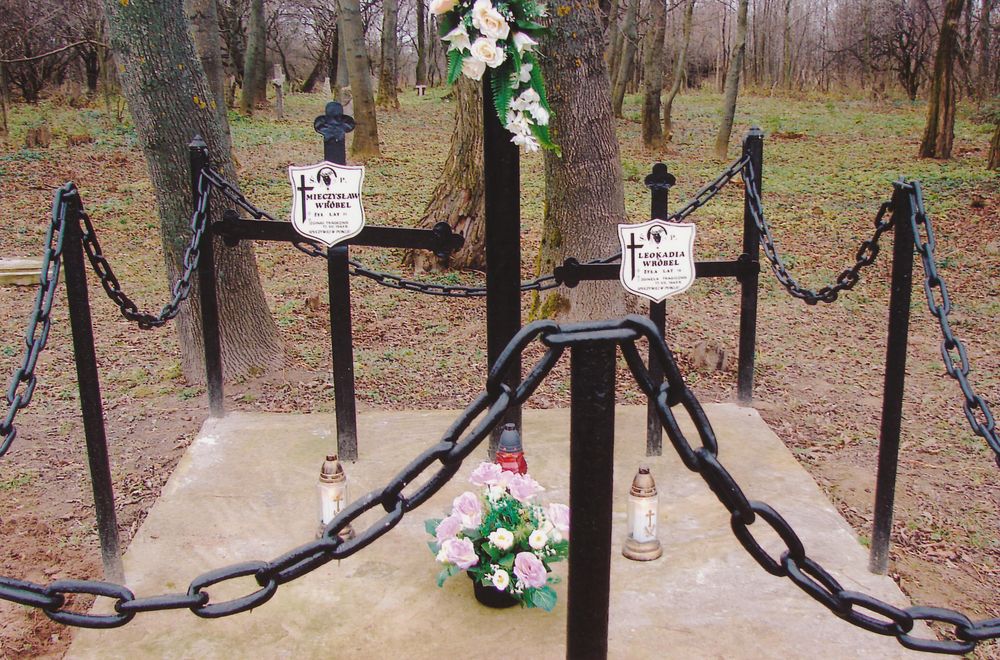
[[204, 18], [939, 133], [652, 134], [254, 66], [679, 71], [584, 194], [364, 145], [732, 83], [458, 197], [994, 158], [421, 74], [786, 47], [387, 70], [169, 96], [985, 50], [629, 39]]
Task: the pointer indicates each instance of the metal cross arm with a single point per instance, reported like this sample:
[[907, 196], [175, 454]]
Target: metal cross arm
[[572, 272], [440, 239]]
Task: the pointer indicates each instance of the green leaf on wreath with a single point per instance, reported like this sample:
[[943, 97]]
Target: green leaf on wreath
[[528, 25], [454, 65], [502, 94], [432, 525], [435, 548], [545, 598], [507, 562]]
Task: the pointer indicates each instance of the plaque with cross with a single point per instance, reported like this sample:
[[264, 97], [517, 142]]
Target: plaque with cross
[[326, 201], [657, 258]]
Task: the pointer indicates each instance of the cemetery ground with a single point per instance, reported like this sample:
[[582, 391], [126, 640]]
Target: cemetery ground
[[828, 164]]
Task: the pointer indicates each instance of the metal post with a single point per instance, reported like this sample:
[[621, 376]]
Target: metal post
[[659, 182], [334, 126], [753, 145], [895, 375], [90, 393], [207, 291], [502, 174], [591, 463]]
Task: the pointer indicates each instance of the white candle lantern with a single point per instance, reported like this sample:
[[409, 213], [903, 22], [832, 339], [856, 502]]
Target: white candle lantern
[[332, 489], [642, 543]]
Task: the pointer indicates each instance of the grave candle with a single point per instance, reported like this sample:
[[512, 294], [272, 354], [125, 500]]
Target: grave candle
[[510, 455], [332, 489], [643, 504]]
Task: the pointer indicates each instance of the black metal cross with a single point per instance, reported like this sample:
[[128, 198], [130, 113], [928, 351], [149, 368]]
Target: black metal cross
[[334, 126]]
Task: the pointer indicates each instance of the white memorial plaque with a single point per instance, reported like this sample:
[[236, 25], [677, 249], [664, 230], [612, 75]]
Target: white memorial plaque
[[657, 258], [326, 201]]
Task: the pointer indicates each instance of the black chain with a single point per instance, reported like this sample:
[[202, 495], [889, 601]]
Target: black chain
[[182, 287], [956, 359], [40, 321], [458, 442], [389, 280], [865, 256]]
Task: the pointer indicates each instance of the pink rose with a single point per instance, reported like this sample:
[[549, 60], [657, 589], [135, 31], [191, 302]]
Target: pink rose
[[469, 510], [522, 487], [448, 528], [460, 552], [529, 569], [558, 515], [487, 474]]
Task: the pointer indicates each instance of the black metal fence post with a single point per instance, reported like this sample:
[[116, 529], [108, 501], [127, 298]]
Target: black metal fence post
[[591, 461], [659, 182], [207, 291], [895, 376], [753, 146], [90, 392], [502, 192], [334, 126]]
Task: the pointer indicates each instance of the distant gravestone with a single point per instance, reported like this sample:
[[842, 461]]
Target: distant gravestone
[[279, 91], [20, 272], [325, 88]]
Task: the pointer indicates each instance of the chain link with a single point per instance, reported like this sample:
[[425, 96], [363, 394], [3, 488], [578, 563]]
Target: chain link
[[442, 461], [934, 287], [182, 287], [866, 254], [36, 335]]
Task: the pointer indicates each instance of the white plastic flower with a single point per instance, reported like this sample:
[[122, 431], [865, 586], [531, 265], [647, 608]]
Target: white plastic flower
[[438, 7], [473, 68], [458, 39], [537, 539], [501, 579], [523, 42], [524, 75], [539, 114], [486, 50], [527, 142], [502, 538], [488, 20]]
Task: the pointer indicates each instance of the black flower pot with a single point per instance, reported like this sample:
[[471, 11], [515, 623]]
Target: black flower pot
[[490, 596]]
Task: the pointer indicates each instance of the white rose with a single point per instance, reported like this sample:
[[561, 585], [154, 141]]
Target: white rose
[[501, 579], [488, 20], [457, 38], [438, 7], [502, 538], [524, 42], [486, 50], [537, 539], [473, 68]]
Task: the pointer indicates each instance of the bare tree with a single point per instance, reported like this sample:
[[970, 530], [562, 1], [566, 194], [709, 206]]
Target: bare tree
[[387, 69], [255, 66], [629, 44], [364, 144], [652, 134], [421, 72], [204, 18], [680, 69], [732, 83], [939, 133]]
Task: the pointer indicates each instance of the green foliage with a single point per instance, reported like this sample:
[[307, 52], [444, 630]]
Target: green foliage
[[454, 65]]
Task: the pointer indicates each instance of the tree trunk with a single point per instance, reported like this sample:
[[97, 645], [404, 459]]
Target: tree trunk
[[421, 74], [786, 48], [254, 67], [204, 18], [629, 39], [985, 51], [167, 91], [679, 71], [652, 134], [584, 194], [732, 83], [939, 133], [320, 66], [458, 197], [994, 157], [387, 71], [364, 145]]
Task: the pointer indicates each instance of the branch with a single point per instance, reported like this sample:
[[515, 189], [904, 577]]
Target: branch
[[53, 52]]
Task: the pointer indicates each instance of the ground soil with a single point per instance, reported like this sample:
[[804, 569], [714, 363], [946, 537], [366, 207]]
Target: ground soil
[[818, 374]]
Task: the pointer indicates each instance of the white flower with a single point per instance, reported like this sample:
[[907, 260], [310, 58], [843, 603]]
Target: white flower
[[502, 538], [438, 7], [458, 38], [442, 556], [501, 579], [486, 50], [473, 68], [488, 20], [528, 142], [525, 73], [496, 491], [540, 114], [529, 97], [517, 123], [524, 42], [537, 539]]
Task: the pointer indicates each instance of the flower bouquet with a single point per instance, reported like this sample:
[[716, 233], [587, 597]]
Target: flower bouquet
[[501, 35], [501, 538]]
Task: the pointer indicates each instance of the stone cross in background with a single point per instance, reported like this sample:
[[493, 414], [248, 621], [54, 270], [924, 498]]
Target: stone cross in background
[[279, 90]]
